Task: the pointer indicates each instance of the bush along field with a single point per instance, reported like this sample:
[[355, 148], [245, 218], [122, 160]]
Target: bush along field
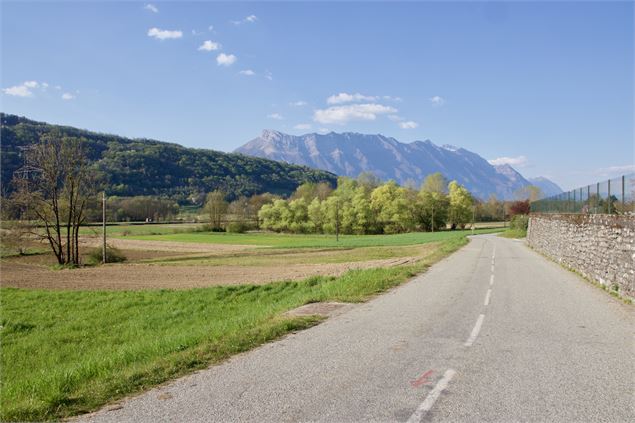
[[69, 352], [517, 227]]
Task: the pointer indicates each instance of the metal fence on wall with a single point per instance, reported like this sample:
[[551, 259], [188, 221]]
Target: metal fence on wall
[[615, 196]]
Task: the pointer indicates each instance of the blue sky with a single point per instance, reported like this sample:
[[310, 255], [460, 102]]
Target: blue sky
[[547, 87]]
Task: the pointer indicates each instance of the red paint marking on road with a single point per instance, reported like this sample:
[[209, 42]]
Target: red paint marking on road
[[423, 379]]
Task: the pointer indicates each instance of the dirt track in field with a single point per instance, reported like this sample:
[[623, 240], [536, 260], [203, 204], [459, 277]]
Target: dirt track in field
[[144, 276]]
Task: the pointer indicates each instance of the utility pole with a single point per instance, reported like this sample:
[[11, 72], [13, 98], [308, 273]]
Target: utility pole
[[103, 226], [337, 220]]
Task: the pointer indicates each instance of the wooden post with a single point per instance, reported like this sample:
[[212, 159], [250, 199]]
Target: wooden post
[[103, 226], [337, 220]]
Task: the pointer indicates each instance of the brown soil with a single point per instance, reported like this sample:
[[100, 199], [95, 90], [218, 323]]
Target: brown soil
[[15, 273]]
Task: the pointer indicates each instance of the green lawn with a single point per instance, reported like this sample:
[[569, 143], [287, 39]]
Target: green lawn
[[310, 240], [514, 233], [69, 352]]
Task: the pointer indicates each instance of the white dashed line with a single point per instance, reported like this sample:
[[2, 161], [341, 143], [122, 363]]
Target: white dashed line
[[475, 331], [489, 293], [491, 280], [432, 397]]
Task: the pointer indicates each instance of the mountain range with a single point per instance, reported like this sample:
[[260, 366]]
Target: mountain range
[[349, 154], [126, 167]]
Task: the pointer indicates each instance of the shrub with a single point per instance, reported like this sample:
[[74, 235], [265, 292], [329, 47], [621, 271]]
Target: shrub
[[237, 227], [113, 255], [519, 222]]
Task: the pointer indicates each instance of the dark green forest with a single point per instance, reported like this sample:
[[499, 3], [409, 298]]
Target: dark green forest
[[129, 167]]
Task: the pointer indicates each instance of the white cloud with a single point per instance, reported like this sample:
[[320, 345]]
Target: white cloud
[[343, 114], [67, 96], [152, 8], [349, 98], [210, 28], [269, 76], [324, 130], [276, 116], [612, 171], [45, 85], [209, 45], [303, 126], [58, 87], [408, 124], [164, 34], [299, 103], [247, 72], [519, 161], [437, 100], [391, 98], [31, 84], [247, 19], [225, 59], [18, 91]]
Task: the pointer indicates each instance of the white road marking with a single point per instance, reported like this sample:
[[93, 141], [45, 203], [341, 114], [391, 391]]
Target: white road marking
[[432, 397], [489, 293], [475, 331], [492, 268], [491, 280]]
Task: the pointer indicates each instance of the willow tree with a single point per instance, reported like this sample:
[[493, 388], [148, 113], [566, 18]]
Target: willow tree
[[54, 191]]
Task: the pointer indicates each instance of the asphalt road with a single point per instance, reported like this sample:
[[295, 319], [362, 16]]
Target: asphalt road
[[495, 332]]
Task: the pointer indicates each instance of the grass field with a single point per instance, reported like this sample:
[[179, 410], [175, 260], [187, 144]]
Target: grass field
[[310, 240], [68, 352]]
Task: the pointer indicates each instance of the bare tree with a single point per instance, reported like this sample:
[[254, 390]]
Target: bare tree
[[216, 207], [55, 194]]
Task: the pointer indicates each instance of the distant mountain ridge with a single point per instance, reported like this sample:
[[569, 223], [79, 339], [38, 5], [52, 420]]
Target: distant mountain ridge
[[350, 154], [126, 167]]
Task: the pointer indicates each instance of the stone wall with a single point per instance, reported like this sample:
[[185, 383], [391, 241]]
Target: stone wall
[[601, 247]]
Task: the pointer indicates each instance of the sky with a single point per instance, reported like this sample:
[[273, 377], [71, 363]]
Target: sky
[[546, 87]]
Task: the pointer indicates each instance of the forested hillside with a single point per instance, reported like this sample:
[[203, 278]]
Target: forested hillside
[[128, 167]]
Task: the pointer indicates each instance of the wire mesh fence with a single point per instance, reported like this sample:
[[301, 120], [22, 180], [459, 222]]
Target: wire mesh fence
[[614, 196]]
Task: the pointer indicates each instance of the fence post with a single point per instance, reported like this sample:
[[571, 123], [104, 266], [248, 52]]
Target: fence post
[[597, 197], [609, 196], [573, 204], [623, 198], [588, 197]]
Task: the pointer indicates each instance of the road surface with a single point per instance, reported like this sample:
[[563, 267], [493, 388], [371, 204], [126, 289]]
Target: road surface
[[494, 332]]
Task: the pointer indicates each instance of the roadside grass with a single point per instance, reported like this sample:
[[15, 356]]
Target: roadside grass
[[69, 352], [283, 257], [513, 233], [311, 240]]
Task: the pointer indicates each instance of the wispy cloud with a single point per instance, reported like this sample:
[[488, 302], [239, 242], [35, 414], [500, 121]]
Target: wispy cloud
[[209, 45], [409, 124], [247, 19], [18, 91], [519, 161], [25, 89], [164, 34], [276, 116], [152, 8], [349, 98], [302, 126], [299, 103], [269, 76], [31, 88], [247, 72], [437, 100], [612, 171], [353, 112], [226, 59]]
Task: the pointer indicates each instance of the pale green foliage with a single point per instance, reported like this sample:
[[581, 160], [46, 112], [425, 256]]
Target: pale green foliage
[[461, 203], [365, 206], [392, 208]]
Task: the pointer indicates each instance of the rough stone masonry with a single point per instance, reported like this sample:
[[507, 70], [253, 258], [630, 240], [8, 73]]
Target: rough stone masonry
[[601, 247]]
